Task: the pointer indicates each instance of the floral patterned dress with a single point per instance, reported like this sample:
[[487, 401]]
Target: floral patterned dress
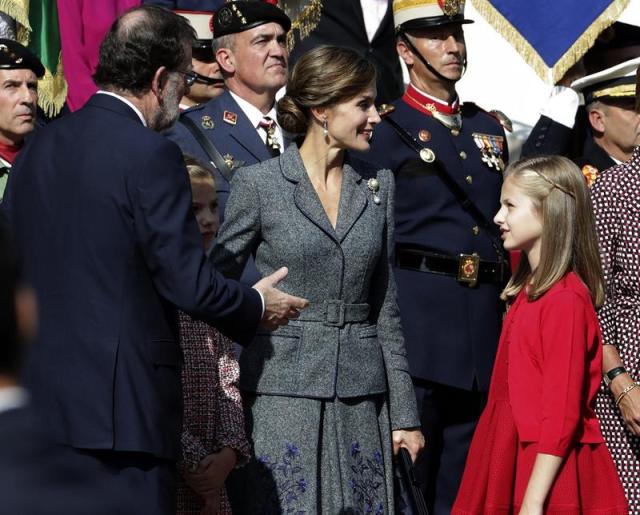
[[616, 203]]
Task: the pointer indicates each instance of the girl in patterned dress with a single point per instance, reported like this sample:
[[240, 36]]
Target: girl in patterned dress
[[538, 446], [616, 204], [213, 436]]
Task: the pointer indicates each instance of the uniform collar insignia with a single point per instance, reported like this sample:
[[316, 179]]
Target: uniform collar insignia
[[447, 114], [230, 118]]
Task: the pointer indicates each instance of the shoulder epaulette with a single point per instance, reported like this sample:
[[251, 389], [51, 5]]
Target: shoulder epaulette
[[499, 116], [385, 109]]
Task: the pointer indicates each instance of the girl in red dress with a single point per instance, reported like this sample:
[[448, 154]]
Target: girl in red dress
[[538, 447]]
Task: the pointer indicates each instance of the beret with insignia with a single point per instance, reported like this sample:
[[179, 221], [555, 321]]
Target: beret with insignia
[[239, 16], [14, 56]]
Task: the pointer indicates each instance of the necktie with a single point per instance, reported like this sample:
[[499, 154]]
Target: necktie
[[272, 143]]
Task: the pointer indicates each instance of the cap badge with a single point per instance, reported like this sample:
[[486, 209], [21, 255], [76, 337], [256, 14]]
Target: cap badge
[[451, 7], [225, 16]]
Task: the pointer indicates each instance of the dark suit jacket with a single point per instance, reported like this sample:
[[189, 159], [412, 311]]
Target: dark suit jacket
[[38, 478], [101, 209], [342, 24]]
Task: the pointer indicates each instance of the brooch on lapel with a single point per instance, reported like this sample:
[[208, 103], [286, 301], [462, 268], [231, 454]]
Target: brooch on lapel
[[374, 186]]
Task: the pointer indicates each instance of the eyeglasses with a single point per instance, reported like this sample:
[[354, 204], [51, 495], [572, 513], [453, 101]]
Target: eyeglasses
[[189, 77]]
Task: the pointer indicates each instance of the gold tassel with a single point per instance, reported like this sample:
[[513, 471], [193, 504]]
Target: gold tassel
[[529, 54], [52, 91], [18, 10], [305, 22]]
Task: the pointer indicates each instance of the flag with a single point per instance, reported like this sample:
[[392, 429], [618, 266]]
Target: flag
[[550, 35], [44, 41]]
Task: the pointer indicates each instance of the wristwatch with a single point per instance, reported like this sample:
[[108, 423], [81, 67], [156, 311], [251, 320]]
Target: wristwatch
[[608, 377]]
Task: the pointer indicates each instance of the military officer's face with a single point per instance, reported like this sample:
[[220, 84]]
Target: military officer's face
[[619, 124], [442, 47], [200, 92], [350, 123], [18, 99], [258, 59]]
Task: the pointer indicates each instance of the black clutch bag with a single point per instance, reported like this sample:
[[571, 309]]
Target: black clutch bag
[[409, 499]]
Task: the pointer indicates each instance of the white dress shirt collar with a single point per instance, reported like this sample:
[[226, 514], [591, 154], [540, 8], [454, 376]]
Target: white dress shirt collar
[[255, 116]]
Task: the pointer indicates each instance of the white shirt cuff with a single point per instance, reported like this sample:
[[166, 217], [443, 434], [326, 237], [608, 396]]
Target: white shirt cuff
[[261, 300]]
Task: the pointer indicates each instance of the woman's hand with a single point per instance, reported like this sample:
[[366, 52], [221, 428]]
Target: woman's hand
[[410, 439], [208, 479], [630, 408]]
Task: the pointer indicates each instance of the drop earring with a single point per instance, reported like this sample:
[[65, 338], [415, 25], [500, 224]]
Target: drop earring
[[325, 128]]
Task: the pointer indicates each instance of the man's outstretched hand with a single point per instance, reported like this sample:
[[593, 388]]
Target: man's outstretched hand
[[279, 307]]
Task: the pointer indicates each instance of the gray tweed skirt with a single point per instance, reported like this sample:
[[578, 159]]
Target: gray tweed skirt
[[314, 456]]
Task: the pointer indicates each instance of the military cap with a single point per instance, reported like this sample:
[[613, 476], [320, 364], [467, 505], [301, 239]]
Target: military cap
[[202, 23], [617, 82], [421, 14], [618, 43], [239, 16], [14, 56]]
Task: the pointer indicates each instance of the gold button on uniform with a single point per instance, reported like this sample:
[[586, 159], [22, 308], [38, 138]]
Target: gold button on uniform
[[469, 179], [463, 154], [476, 230]]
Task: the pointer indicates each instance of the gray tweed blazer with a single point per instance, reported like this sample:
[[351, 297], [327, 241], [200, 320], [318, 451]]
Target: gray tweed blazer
[[349, 341]]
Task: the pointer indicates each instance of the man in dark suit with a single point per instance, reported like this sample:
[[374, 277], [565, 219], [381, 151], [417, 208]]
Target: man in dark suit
[[367, 27], [36, 477], [450, 265], [101, 210]]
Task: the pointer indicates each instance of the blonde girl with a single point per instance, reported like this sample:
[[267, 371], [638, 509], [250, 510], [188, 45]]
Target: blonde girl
[[538, 446]]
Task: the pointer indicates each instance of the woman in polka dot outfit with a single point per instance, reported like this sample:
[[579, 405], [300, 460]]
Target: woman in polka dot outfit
[[616, 202]]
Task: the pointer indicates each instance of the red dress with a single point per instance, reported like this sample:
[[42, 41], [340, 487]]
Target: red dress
[[499, 463]]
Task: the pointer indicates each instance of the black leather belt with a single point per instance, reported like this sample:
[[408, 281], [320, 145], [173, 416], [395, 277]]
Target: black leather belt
[[466, 268]]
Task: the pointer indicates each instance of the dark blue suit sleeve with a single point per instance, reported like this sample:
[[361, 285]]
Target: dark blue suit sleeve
[[547, 137], [172, 248]]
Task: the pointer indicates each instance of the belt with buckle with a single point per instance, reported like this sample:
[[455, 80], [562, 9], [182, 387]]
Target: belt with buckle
[[468, 269], [335, 313]]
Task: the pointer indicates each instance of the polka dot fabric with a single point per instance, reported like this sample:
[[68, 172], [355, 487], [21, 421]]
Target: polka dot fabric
[[616, 203]]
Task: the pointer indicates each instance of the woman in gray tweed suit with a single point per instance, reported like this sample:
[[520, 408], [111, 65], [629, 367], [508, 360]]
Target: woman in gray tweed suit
[[328, 398]]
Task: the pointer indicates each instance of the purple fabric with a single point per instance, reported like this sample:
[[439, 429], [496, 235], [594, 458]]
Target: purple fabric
[[83, 25]]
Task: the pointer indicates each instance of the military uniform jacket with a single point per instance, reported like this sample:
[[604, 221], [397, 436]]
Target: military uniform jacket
[[274, 212], [223, 122], [451, 330]]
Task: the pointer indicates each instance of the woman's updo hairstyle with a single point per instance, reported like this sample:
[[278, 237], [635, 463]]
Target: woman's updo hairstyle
[[324, 76]]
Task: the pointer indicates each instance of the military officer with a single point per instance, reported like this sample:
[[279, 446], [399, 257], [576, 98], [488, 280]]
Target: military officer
[[448, 160], [591, 119], [610, 99], [239, 127], [207, 78], [19, 73]]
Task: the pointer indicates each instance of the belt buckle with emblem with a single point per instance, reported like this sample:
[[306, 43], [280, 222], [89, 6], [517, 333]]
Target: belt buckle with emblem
[[468, 269]]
